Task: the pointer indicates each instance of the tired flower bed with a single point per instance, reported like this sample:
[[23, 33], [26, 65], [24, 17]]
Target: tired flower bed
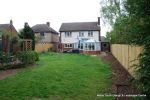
[[21, 59]]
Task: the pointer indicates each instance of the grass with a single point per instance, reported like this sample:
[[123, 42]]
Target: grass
[[59, 77]]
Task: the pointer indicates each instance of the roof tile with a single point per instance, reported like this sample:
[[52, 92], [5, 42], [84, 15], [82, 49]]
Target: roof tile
[[80, 26]]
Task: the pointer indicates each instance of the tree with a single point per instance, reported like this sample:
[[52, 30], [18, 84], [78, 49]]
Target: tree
[[111, 10], [27, 33], [133, 27], [113, 15], [139, 13]]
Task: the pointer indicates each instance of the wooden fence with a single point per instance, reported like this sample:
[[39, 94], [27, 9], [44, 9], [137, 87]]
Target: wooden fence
[[43, 47], [127, 55]]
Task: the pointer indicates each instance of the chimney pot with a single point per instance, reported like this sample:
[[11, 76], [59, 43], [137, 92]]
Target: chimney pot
[[11, 22], [25, 24], [48, 24], [98, 21]]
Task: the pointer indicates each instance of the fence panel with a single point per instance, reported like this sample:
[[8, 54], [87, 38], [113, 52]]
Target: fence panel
[[127, 55], [43, 47]]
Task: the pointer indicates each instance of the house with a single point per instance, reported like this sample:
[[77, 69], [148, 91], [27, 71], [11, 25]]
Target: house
[[7, 32], [82, 36], [46, 35]]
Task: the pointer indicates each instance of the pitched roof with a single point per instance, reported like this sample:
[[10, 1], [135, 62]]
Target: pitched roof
[[43, 28], [4, 26], [80, 26], [8, 27]]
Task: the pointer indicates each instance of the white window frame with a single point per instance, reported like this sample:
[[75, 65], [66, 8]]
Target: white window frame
[[68, 45], [90, 46], [81, 34], [68, 34], [90, 33], [81, 46], [86, 46], [42, 34]]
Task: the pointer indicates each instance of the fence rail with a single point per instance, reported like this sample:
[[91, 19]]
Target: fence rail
[[127, 55]]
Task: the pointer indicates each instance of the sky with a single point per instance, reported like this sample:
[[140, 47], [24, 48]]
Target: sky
[[54, 11]]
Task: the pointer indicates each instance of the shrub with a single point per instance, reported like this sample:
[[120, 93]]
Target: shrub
[[36, 56], [27, 57], [4, 58]]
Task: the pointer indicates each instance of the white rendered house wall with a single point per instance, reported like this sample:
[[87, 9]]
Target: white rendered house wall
[[75, 36]]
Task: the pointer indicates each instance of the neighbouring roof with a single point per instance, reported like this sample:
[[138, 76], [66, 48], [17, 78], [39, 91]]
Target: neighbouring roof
[[79, 26], [43, 28], [4, 26], [7, 27]]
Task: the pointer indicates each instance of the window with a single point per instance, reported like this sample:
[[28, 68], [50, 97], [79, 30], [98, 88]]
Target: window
[[81, 46], [42, 33], [93, 47], [86, 46], [90, 33], [68, 45], [71, 45], [68, 34], [90, 46], [81, 34], [78, 45]]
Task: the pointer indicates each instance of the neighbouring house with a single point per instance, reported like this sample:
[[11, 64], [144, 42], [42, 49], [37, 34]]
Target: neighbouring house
[[46, 37], [8, 37], [82, 36]]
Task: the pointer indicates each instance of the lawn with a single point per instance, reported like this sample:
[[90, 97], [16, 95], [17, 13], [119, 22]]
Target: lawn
[[59, 77]]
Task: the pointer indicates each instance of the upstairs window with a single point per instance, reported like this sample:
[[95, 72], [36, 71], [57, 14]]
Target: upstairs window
[[68, 34], [90, 33], [42, 34], [81, 34]]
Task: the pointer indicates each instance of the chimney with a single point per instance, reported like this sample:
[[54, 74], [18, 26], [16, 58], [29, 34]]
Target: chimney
[[25, 24], [98, 22], [11, 22], [48, 24]]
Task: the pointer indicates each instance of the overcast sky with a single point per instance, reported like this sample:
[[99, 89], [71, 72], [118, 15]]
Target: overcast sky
[[53, 11]]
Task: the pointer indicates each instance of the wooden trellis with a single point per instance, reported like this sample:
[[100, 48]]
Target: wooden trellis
[[27, 44]]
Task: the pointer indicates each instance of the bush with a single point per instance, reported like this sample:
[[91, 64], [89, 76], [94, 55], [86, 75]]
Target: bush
[[27, 57], [6, 61], [4, 58]]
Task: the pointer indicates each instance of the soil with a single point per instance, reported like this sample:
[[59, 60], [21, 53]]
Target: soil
[[121, 79], [9, 72]]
